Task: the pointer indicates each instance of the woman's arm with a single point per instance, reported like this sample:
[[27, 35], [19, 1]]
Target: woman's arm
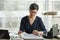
[[42, 27], [21, 26], [41, 30]]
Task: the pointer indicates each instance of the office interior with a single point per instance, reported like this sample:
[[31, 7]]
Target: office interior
[[11, 12]]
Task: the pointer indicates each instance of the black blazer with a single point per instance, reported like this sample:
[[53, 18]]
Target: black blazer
[[37, 25]]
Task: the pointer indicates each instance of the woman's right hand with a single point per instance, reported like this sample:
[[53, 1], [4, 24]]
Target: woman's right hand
[[19, 32]]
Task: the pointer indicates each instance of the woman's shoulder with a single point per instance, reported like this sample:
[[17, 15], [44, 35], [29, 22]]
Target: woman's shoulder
[[38, 17], [24, 17]]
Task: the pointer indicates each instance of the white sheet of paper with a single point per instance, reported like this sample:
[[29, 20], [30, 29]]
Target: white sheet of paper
[[30, 36]]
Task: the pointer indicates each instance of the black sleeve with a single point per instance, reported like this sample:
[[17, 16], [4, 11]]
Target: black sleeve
[[22, 25], [42, 26]]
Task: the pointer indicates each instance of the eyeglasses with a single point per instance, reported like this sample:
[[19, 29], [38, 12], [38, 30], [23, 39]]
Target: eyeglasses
[[33, 12]]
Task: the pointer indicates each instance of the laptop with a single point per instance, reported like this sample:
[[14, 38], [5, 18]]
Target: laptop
[[4, 34]]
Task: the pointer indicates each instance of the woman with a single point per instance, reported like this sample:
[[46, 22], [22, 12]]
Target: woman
[[32, 24]]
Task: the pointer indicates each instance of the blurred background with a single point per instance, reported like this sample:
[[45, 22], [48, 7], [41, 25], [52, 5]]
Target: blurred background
[[11, 12]]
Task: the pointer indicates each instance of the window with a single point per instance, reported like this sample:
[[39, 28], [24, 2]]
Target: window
[[1, 5], [54, 5]]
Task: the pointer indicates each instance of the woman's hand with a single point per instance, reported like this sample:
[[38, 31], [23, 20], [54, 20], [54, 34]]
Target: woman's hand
[[19, 32], [40, 33], [35, 32]]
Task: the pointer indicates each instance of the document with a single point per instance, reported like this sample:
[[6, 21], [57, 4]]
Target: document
[[31, 36]]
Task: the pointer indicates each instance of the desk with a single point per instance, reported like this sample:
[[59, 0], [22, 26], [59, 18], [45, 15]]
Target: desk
[[4, 39], [51, 39], [38, 39], [20, 39]]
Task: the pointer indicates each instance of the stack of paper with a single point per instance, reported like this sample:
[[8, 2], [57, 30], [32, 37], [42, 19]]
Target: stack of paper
[[31, 36]]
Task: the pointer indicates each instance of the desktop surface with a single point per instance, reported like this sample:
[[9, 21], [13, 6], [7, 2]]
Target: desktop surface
[[21, 39]]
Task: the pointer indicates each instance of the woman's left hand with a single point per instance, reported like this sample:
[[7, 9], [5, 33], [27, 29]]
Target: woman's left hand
[[40, 33], [35, 32]]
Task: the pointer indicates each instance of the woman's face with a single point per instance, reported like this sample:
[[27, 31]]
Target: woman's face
[[33, 12]]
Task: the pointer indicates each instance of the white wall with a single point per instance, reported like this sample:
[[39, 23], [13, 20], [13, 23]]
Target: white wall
[[14, 10], [9, 19]]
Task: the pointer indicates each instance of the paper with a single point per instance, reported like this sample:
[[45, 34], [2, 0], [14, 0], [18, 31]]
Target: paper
[[30, 36]]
